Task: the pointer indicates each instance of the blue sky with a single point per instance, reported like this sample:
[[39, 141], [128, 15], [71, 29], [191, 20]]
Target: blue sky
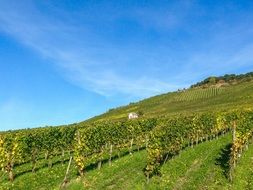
[[63, 61]]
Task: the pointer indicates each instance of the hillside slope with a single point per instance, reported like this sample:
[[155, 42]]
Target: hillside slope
[[201, 167], [185, 101]]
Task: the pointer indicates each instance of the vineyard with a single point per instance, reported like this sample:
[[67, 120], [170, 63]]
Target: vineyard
[[171, 136], [187, 101], [195, 94], [98, 143]]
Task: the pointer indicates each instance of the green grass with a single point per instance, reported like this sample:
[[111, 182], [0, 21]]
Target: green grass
[[125, 173], [203, 167], [43, 179], [243, 175]]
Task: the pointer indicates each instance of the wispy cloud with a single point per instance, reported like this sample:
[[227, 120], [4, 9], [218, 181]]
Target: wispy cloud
[[91, 65], [85, 57]]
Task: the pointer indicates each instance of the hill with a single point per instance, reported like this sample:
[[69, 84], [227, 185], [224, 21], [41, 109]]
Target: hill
[[235, 91], [224, 80]]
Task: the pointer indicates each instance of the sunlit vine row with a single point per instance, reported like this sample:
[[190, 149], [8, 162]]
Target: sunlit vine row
[[102, 140], [30, 145], [172, 135], [242, 125]]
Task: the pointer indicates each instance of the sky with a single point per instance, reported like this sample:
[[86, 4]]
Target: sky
[[63, 61]]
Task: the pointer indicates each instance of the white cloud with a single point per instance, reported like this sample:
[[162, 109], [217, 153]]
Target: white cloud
[[106, 68], [78, 59]]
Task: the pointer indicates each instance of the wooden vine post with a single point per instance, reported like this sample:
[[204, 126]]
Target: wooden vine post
[[100, 160], [233, 156], [131, 146], [65, 181], [234, 131], [234, 140], [110, 153]]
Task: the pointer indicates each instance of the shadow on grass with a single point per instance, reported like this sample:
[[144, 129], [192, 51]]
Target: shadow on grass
[[42, 166], [91, 166], [122, 154], [223, 159]]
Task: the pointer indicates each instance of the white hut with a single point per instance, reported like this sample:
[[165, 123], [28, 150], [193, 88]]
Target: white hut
[[132, 115]]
